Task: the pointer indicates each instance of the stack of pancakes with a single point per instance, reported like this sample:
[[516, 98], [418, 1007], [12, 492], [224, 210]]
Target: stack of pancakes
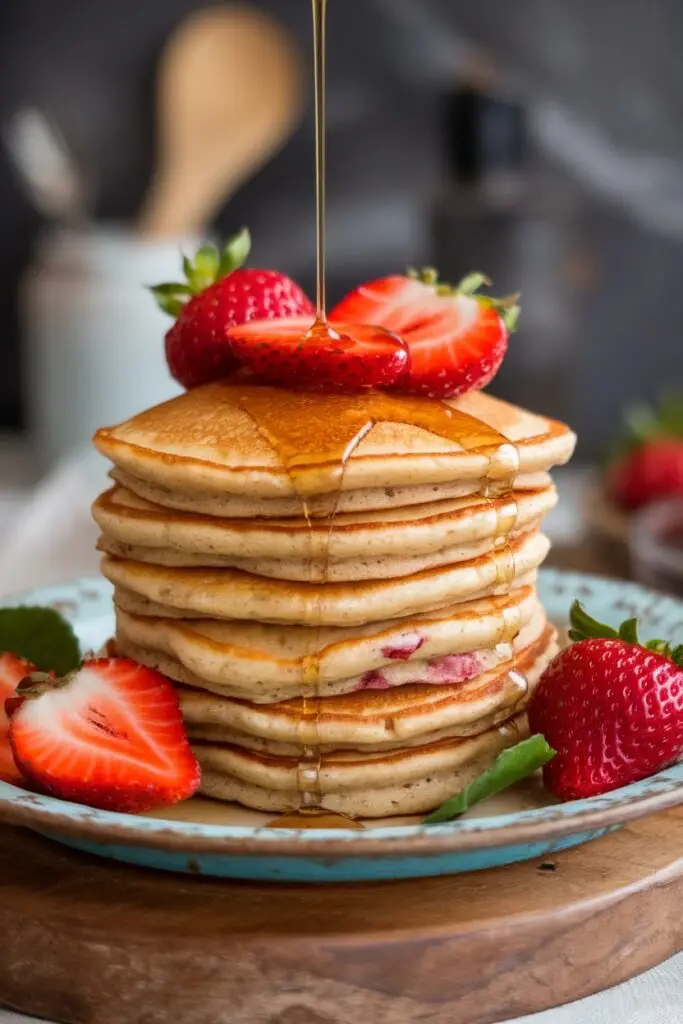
[[369, 645]]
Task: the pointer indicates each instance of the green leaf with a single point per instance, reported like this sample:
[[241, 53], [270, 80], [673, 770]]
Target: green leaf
[[658, 647], [510, 318], [641, 422], [508, 301], [677, 655], [628, 631], [671, 414], [510, 766], [583, 626], [170, 297], [172, 307], [170, 288], [205, 267], [472, 283], [42, 636], [202, 271], [430, 276], [188, 270], [235, 253]]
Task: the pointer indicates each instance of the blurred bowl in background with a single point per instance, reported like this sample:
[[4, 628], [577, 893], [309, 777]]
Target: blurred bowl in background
[[93, 337], [656, 545]]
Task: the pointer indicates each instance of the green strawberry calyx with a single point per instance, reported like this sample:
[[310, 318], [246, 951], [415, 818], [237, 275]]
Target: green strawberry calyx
[[508, 308], [584, 627], [209, 265], [39, 683], [645, 423]]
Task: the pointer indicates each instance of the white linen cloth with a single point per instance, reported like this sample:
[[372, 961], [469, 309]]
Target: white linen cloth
[[50, 538], [653, 998]]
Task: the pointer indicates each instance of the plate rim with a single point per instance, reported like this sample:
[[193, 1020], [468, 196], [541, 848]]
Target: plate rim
[[105, 827], [537, 825]]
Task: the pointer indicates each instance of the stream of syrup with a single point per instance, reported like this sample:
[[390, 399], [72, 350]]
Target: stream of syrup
[[313, 437]]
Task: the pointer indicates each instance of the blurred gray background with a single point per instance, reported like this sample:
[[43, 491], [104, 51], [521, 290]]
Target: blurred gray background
[[603, 88]]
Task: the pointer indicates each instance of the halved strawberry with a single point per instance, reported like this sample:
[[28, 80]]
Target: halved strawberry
[[456, 338], [302, 354], [109, 735], [12, 671]]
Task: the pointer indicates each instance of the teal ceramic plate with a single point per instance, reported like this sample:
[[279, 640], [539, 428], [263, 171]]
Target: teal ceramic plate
[[202, 837]]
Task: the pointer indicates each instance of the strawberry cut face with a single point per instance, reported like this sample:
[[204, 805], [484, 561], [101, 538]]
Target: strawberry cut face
[[456, 340], [12, 671], [109, 736]]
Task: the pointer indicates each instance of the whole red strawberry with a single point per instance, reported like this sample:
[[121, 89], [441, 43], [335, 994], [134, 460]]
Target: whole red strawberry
[[651, 471], [456, 337], [220, 293], [611, 708], [649, 461]]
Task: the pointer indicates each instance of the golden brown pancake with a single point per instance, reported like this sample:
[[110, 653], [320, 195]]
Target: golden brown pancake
[[232, 594], [263, 663], [360, 501], [203, 443], [343, 576], [391, 779], [379, 785], [126, 519], [388, 719], [354, 570]]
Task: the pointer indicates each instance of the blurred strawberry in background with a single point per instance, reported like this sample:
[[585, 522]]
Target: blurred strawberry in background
[[649, 463]]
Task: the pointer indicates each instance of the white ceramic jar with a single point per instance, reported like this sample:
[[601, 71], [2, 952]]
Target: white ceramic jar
[[93, 337]]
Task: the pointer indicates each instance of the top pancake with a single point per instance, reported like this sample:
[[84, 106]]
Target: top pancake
[[203, 444]]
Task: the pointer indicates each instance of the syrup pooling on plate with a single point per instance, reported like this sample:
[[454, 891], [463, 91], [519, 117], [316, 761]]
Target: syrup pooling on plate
[[315, 818]]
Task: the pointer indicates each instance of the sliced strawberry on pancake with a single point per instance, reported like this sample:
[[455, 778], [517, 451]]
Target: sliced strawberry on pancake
[[456, 337]]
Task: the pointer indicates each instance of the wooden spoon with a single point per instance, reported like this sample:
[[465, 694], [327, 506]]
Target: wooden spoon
[[230, 92]]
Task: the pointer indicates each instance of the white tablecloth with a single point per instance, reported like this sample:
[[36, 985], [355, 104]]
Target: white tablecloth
[[653, 998], [47, 536]]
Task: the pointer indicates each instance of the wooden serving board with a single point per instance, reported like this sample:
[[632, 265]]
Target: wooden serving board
[[87, 940]]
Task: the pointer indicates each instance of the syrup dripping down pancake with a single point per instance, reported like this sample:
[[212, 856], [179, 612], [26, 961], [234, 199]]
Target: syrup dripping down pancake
[[381, 719], [231, 594], [411, 780], [421, 529]]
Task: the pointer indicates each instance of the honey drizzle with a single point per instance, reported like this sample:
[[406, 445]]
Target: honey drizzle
[[320, 78], [314, 437]]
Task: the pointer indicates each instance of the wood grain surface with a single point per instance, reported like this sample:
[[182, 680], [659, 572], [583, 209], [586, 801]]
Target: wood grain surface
[[86, 941]]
